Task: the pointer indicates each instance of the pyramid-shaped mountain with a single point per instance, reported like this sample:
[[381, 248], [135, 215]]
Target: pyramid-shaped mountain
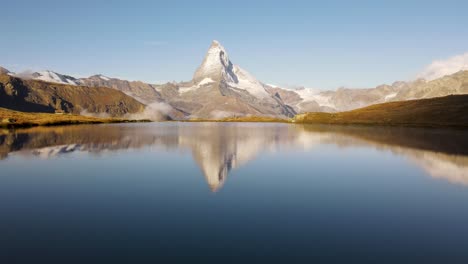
[[220, 89]]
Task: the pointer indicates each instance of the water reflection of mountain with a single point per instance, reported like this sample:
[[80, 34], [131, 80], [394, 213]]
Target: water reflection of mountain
[[220, 147], [441, 153]]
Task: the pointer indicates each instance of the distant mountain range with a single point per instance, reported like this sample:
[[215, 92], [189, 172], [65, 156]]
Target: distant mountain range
[[222, 89]]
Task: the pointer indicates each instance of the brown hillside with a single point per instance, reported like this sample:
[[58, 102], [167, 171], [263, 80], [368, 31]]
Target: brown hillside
[[442, 111], [39, 96]]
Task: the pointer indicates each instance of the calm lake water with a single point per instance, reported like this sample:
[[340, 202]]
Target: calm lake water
[[233, 192]]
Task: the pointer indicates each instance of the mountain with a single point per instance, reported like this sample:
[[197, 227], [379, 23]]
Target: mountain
[[221, 89], [50, 76], [218, 89], [456, 83], [141, 91], [217, 68], [38, 96], [345, 99]]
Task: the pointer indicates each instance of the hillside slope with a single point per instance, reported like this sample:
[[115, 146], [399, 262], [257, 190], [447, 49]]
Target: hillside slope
[[442, 111], [38, 96]]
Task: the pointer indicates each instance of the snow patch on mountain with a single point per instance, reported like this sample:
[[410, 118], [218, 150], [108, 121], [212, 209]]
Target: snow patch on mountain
[[245, 81], [203, 82], [50, 76], [105, 78], [206, 81]]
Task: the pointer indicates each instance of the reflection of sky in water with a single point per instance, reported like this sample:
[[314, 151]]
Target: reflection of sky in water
[[282, 191]]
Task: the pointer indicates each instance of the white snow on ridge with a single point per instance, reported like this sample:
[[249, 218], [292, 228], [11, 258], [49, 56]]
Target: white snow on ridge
[[50, 76], [205, 81], [247, 82], [195, 87], [105, 78], [71, 82]]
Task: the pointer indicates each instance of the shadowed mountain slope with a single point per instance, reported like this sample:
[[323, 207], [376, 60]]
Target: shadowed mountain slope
[[38, 96]]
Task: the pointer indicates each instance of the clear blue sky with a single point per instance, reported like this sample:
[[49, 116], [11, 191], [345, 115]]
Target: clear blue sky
[[318, 44]]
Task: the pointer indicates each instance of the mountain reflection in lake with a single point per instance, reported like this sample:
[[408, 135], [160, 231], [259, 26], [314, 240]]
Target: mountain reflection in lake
[[284, 190], [218, 148]]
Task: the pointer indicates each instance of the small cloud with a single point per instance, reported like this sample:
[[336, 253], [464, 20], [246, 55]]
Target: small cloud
[[157, 111], [27, 74], [441, 68]]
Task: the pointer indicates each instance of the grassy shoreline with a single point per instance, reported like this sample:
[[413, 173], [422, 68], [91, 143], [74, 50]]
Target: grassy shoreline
[[15, 119]]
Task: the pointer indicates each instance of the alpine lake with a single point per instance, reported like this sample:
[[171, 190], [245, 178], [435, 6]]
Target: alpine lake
[[233, 192]]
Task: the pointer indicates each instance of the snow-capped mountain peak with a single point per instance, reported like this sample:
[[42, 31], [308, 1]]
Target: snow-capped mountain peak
[[218, 67]]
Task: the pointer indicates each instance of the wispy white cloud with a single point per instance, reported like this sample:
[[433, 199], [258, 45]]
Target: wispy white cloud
[[440, 68]]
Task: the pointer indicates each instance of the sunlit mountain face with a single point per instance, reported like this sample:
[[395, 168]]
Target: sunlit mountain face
[[220, 148]]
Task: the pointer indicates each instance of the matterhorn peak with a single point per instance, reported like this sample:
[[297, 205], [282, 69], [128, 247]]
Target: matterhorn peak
[[216, 65]]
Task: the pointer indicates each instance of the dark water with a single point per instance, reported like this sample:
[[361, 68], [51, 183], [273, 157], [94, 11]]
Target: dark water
[[233, 193]]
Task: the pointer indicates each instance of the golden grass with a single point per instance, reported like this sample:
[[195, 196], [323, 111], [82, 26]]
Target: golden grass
[[435, 112], [10, 119]]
